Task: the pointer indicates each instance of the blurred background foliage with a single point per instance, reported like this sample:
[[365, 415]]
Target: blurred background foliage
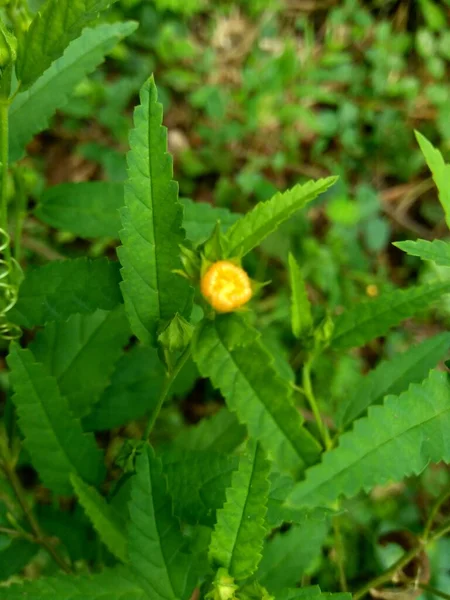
[[259, 95]]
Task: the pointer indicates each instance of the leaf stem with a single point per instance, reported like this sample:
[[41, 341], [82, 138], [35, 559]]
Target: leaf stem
[[170, 378], [434, 591], [340, 554], [20, 216], [309, 393], [4, 159], [38, 534], [434, 511]]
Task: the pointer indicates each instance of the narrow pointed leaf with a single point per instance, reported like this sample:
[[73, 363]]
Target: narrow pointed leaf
[[393, 376], [394, 441], [53, 437], [32, 110], [113, 584], [151, 221], [154, 539], [51, 31], [238, 536], [300, 306], [255, 226], [231, 354], [110, 526], [373, 318], [61, 288], [89, 345], [440, 171], [437, 250]]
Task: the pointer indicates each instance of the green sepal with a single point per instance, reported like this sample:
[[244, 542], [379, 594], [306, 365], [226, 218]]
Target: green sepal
[[126, 458], [214, 247]]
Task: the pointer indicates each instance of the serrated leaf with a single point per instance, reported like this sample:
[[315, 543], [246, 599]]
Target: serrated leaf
[[231, 354], [394, 441], [220, 433], [197, 483], [255, 226], [114, 584], [373, 318], [394, 376], [54, 438], [154, 539], [31, 111], [439, 170], [135, 388], [51, 31], [437, 250], [110, 526], [301, 317], [88, 210], [200, 219], [61, 288], [287, 556], [151, 221], [238, 536], [86, 345]]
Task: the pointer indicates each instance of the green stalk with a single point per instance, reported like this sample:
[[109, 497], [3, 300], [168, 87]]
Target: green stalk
[[309, 393], [4, 159]]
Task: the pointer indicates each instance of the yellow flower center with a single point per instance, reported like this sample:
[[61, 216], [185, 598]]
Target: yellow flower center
[[226, 286]]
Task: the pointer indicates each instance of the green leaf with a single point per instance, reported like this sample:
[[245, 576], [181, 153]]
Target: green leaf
[[197, 483], [31, 111], [394, 441], [437, 250], [238, 536], [151, 233], [219, 433], [255, 226], [81, 354], [61, 288], [114, 584], [54, 438], [301, 317], [88, 210], [134, 390], [110, 526], [373, 318], [439, 170], [154, 539], [51, 31], [231, 354], [201, 218], [15, 558], [394, 376], [288, 556]]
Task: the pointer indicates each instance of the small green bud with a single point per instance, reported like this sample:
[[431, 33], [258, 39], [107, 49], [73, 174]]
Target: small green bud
[[324, 332], [191, 263], [8, 46], [224, 587], [127, 455], [214, 247], [177, 335]]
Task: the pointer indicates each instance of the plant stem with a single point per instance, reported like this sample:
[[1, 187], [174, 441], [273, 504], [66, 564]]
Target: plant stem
[[309, 393], [434, 591], [39, 536], [18, 534], [170, 378], [20, 217], [340, 554], [434, 511], [4, 159]]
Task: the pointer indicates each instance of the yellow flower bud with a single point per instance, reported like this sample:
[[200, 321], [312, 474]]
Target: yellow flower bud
[[226, 286]]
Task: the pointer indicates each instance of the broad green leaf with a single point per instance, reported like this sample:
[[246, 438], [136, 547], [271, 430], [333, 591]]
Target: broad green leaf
[[437, 250], [31, 111], [154, 539], [113, 584], [61, 288], [15, 558], [81, 354], [197, 483], [51, 31], [220, 433], [134, 390], [54, 438], [230, 353], [439, 170], [151, 221], [200, 219], [301, 317], [110, 526], [394, 376], [394, 441], [287, 556], [255, 226], [88, 210], [238, 536], [373, 318]]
